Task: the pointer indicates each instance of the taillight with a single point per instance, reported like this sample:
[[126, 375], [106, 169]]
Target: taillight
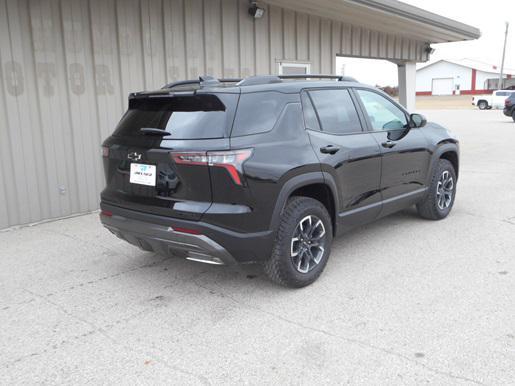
[[507, 102], [190, 158], [105, 151], [106, 213], [231, 160]]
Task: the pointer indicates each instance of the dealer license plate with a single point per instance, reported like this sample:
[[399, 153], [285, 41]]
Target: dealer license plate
[[143, 174]]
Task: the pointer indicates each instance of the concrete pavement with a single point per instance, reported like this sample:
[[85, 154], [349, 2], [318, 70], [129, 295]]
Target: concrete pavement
[[402, 300]]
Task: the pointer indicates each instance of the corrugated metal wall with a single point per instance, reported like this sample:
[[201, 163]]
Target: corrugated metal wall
[[67, 66]]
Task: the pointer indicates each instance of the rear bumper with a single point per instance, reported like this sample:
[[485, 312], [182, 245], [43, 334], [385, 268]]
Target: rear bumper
[[212, 244], [507, 112]]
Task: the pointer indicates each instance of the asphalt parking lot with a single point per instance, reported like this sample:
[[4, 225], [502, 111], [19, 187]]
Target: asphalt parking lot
[[402, 300]]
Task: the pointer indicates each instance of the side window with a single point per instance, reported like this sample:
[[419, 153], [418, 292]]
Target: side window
[[257, 113], [310, 117], [336, 111], [383, 114]]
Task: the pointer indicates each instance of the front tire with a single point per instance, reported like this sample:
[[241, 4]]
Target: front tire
[[482, 105], [439, 200], [302, 245]]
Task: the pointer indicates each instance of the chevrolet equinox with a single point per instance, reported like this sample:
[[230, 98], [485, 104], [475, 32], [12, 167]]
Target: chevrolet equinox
[[269, 169]]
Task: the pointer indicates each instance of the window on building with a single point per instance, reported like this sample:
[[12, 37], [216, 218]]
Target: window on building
[[291, 68]]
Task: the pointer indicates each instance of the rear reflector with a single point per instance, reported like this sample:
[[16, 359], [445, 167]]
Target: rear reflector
[[231, 160], [186, 230], [106, 213]]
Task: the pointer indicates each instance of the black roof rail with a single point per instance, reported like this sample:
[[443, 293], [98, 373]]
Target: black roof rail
[[202, 81], [339, 78], [206, 80], [230, 80], [259, 79], [268, 79]]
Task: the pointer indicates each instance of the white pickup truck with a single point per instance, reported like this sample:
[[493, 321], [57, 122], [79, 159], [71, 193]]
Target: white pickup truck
[[492, 101]]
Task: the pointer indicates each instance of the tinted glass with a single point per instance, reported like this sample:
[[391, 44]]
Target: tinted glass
[[185, 117], [257, 113], [383, 114], [310, 117], [336, 111]]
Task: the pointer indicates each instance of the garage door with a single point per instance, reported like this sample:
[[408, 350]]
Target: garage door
[[443, 86]]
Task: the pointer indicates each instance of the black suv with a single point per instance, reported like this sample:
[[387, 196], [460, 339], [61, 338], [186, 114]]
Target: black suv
[[269, 169], [509, 106]]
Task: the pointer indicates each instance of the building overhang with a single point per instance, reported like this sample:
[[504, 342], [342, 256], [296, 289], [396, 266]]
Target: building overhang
[[388, 16]]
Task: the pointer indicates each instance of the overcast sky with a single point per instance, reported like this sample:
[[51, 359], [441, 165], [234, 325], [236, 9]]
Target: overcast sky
[[489, 16]]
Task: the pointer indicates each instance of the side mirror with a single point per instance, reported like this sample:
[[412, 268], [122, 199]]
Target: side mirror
[[417, 120]]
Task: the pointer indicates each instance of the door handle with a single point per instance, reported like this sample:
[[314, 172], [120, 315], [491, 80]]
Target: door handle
[[388, 144], [329, 149]]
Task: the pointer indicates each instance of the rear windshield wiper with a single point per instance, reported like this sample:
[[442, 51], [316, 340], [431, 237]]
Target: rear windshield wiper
[[154, 131]]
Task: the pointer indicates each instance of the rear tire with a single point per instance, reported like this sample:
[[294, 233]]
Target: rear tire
[[302, 245], [439, 200], [482, 105]]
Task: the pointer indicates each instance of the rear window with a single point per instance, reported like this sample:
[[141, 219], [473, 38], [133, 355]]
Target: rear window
[[257, 112], [184, 117]]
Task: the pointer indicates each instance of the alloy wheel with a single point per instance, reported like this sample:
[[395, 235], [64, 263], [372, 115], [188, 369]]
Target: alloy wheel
[[307, 244], [444, 190]]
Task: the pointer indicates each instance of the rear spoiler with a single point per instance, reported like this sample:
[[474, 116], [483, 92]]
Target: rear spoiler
[[183, 102], [202, 81]]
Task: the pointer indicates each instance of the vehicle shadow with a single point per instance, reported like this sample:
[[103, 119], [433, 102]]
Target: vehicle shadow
[[173, 271]]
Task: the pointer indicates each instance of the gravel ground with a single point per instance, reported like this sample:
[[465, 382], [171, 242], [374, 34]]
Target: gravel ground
[[462, 102], [402, 300]]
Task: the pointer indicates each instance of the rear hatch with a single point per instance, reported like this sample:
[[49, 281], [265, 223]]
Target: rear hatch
[[142, 169]]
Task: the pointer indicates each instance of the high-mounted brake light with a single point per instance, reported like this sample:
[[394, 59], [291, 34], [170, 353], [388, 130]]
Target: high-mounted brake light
[[231, 160]]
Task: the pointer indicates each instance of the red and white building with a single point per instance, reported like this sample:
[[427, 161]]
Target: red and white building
[[465, 76]]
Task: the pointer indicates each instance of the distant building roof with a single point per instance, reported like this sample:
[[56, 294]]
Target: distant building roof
[[474, 64]]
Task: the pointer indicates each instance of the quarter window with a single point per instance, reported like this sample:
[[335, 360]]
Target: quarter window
[[310, 117], [383, 114], [336, 111], [257, 113]]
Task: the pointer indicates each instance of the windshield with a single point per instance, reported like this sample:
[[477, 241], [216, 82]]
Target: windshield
[[184, 117]]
